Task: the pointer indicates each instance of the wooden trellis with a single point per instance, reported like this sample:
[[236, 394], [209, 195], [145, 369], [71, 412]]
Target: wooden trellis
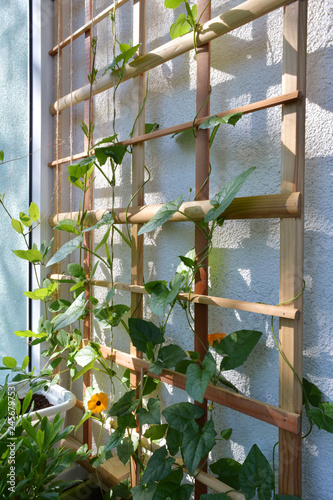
[[287, 206]]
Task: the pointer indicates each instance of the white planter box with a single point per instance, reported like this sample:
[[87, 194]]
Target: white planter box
[[61, 399]]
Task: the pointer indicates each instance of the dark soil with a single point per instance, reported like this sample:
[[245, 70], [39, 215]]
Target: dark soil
[[40, 402]]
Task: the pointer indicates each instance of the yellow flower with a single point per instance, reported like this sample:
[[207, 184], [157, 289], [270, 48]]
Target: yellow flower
[[215, 336], [98, 402]]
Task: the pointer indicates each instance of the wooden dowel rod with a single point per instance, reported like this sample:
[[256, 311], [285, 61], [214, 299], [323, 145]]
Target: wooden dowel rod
[[220, 25], [262, 411], [248, 207], [87, 26], [241, 305], [248, 108]]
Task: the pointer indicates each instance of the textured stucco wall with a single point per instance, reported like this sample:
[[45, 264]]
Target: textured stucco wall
[[14, 141], [244, 264]]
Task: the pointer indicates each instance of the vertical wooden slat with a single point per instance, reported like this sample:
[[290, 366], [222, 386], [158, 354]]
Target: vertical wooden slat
[[88, 205], [57, 152], [202, 193], [138, 161], [292, 241]]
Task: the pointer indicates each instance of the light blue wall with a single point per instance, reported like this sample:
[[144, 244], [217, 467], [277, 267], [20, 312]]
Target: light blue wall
[[14, 179]]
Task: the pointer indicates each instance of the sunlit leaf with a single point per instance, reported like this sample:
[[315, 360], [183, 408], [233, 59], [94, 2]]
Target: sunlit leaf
[[163, 215], [212, 121], [222, 200], [34, 211], [65, 250], [25, 219], [71, 314], [180, 27]]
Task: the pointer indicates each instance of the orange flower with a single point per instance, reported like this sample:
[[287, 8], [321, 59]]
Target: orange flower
[[98, 402], [215, 336]]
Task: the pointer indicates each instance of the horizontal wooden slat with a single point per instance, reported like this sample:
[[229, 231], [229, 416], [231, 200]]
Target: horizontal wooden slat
[[252, 407], [86, 27], [240, 305], [248, 108], [216, 27], [248, 207]]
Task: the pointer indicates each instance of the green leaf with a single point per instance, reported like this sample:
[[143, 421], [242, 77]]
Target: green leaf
[[227, 470], [25, 219], [256, 475], [313, 393], [17, 225], [126, 421], [180, 27], [144, 492], [161, 296], [180, 415], [151, 127], [156, 432], [59, 305], [170, 355], [211, 122], [2, 155], [9, 362], [126, 404], [116, 152], [197, 379], [32, 255], [111, 315], [226, 433], [170, 487], [163, 215], [42, 293], [106, 219], [142, 332], [77, 271], [172, 4], [197, 443], [174, 440], [25, 362], [29, 333], [126, 449], [85, 369], [152, 415], [63, 338], [322, 417], [158, 467], [68, 225], [85, 356], [26, 402], [79, 170], [105, 140], [71, 314], [115, 439], [149, 385], [222, 200], [237, 346], [65, 250], [34, 211]]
